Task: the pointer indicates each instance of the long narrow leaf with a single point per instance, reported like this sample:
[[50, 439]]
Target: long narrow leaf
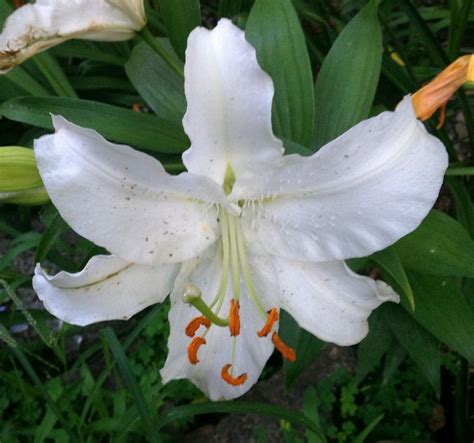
[[132, 385]]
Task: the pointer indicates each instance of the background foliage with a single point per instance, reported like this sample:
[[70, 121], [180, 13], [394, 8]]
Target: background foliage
[[333, 63]]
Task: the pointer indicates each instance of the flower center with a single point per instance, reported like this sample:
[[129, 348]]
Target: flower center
[[235, 263]]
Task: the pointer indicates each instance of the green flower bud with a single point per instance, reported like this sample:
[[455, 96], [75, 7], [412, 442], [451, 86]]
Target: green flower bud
[[20, 182]]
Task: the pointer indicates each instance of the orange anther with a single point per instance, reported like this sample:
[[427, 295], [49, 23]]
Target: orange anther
[[285, 350], [136, 107], [234, 318], [193, 348], [195, 323], [233, 381], [433, 96], [271, 320]]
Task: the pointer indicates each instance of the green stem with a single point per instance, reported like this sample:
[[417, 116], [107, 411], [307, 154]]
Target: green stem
[[156, 45]]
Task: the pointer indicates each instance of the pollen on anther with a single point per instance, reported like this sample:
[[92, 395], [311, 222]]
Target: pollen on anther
[[230, 379], [271, 320], [234, 318], [285, 350], [195, 324], [193, 348]]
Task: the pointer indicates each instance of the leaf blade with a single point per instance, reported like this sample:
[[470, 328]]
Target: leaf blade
[[346, 84]]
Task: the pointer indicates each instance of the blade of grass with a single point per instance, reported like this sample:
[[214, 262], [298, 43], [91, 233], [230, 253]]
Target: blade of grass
[[132, 384], [105, 373]]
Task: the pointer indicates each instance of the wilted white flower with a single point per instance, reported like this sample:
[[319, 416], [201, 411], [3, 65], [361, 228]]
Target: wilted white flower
[[36, 27]]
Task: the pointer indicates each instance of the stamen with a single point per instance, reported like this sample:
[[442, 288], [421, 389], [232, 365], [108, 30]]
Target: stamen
[[233, 381], [195, 324], [271, 320], [285, 350], [234, 318], [193, 348]]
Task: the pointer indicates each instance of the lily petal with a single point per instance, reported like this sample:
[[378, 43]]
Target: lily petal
[[36, 27], [329, 300], [124, 200], [251, 352], [108, 288], [229, 98], [357, 195]]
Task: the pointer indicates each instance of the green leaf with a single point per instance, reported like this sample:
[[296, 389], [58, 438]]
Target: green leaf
[[440, 246], [421, 346], [21, 78], [373, 347], [442, 309], [238, 407], [306, 346], [100, 52], [157, 83], [53, 72], [389, 261], [274, 30], [360, 438], [132, 385], [57, 227], [180, 17], [394, 357], [458, 21], [229, 8], [345, 86], [463, 203], [117, 124], [5, 10]]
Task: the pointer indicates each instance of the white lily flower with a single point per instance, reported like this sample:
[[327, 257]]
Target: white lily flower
[[246, 231], [36, 27]]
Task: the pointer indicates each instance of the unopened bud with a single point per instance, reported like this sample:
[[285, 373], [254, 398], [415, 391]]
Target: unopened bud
[[20, 182], [438, 91]]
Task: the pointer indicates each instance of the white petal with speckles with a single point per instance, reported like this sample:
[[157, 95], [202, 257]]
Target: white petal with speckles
[[123, 200], [106, 289], [356, 195]]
